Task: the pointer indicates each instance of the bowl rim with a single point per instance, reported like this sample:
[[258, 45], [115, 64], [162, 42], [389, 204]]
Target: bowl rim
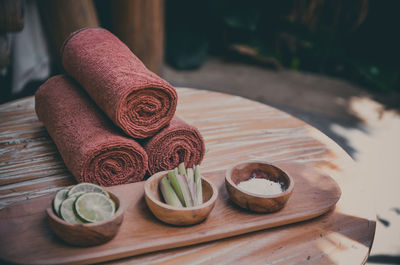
[[228, 178], [55, 217], [159, 203]]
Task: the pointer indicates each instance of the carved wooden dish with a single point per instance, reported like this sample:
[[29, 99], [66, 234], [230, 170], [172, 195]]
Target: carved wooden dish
[[178, 215], [90, 234], [255, 202]]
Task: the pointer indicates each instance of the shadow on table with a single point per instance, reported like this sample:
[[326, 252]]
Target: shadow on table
[[384, 259], [380, 258]]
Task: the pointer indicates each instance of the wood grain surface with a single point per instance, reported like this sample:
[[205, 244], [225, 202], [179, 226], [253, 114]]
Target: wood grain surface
[[235, 129], [141, 232]]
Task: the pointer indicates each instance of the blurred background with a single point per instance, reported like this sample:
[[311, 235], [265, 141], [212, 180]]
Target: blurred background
[[331, 63]]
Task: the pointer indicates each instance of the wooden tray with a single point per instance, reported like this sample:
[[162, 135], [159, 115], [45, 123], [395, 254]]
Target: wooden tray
[[25, 236]]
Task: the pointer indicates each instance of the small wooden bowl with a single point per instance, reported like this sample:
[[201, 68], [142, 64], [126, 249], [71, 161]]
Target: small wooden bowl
[[178, 215], [255, 202], [90, 234]]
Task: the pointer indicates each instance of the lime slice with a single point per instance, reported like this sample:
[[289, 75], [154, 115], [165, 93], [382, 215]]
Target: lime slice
[[67, 211], [58, 199], [74, 195], [94, 207], [87, 187]]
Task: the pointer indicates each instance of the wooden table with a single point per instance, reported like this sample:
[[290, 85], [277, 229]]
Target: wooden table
[[235, 129]]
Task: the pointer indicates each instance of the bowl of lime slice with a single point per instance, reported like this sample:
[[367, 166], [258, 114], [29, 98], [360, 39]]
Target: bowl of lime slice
[[85, 215]]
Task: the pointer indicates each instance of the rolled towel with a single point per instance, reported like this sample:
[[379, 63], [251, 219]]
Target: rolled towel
[[90, 145], [134, 98], [178, 142]]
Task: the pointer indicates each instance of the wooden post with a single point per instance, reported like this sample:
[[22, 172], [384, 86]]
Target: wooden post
[[140, 25], [62, 17]]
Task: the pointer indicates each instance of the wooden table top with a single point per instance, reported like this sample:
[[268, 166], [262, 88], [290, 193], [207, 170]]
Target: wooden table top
[[235, 129]]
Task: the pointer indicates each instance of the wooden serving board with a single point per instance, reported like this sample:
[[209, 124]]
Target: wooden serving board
[[26, 238]]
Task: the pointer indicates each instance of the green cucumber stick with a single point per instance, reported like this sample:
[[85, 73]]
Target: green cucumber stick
[[190, 175], [182, 169], [185, 190], [175, 185], [199, 188], [191, 184], [168, 193]]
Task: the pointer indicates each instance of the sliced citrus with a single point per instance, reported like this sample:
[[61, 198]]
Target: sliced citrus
[[58, 199], [94, 207], [74, 195], [67, 211], [87, 187]]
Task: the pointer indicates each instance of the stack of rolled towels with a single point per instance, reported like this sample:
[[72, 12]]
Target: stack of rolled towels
[[111, 118]]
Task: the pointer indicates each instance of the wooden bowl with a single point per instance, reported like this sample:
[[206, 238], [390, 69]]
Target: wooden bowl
[[255, 202], [90, 234], [181, 216]]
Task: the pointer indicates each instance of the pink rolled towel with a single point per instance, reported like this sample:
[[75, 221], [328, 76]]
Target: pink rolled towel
[[178, 142], [133, 97], [90, 145]]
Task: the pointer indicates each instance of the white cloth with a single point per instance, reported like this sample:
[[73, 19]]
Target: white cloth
[[30, 56]]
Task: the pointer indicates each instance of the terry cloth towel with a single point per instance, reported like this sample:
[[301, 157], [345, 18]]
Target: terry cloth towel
[[90, 145], [133, 97], [178, 142]]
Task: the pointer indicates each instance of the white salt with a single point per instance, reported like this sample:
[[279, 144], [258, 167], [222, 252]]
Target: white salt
[[261, 186]]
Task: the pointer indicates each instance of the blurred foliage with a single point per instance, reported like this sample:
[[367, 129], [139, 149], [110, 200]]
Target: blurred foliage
[[187, 39], [355, 39]]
